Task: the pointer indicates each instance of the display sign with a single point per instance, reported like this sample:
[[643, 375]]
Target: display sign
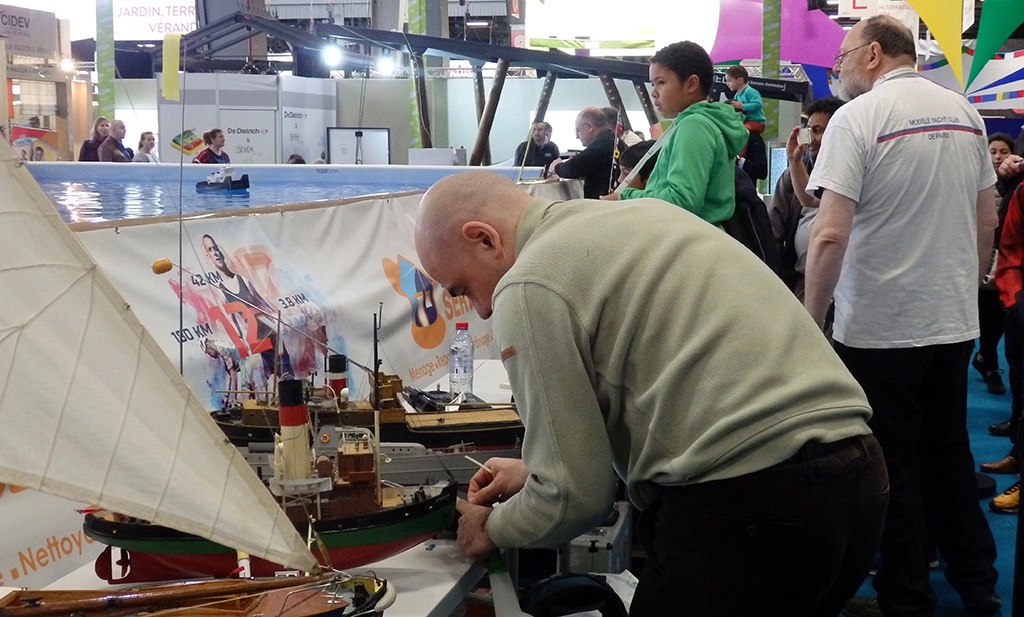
[[358, 146], [308, 107], [900, 9], [857, 9], [150, 20], [29, 32], [243, 106], [780, 89], [35, 144], [43, 538], [250, 135]]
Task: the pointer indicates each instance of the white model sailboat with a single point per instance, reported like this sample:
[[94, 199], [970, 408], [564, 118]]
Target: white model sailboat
[[92, 410]]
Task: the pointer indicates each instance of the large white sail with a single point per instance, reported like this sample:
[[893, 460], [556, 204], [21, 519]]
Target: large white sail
[[92, 410]]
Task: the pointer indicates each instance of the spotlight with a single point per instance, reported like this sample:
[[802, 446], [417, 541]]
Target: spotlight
[[386, 66], [331, 56]]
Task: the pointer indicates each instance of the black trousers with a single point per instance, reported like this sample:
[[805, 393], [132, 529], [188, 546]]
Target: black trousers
[[793, 540], [1013, 346], [919, 398], [990, 319]]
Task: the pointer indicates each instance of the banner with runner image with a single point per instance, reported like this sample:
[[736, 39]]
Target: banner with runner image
[[270, 294]]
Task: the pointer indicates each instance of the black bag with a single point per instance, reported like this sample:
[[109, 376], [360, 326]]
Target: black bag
[[567, 594], [750, 224]]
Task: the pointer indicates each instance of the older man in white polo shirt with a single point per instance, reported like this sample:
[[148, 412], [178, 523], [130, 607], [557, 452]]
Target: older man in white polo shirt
[[906, 209]]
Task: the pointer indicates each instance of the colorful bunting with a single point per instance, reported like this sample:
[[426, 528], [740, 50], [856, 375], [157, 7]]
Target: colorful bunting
[[999, 18], [945, 20]]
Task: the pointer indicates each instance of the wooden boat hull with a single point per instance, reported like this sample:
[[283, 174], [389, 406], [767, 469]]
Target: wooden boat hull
[[154, 553], [306, 596]]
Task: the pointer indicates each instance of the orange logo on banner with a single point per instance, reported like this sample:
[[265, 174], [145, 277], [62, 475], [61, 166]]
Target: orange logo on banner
[[428, 328], [252, 344], [10, 488]]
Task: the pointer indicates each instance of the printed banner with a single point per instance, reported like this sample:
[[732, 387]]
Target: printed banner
[[308, 107], [250, 135], [28, 32], [150, 20], [900, 9], [35, 144], [42, 539], [270, 289]]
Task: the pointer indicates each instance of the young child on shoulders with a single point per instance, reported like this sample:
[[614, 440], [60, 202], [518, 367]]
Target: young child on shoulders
[[747, 100]]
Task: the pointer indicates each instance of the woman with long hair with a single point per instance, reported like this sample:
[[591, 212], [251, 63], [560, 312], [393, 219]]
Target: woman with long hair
[[90, 150]]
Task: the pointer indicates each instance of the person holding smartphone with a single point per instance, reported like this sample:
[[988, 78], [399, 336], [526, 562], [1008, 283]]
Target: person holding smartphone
[[792, 208]]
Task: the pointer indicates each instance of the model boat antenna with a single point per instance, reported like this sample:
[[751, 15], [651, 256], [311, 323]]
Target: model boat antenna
[[376, 356]]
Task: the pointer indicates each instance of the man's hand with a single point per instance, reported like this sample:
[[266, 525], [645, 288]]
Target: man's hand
[[795, 151], [1010, 167], [613, 196], [554, 165], [473, 538], [498, 480]]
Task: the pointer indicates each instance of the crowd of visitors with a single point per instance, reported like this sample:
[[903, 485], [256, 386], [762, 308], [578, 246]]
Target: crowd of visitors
[[625, 359]]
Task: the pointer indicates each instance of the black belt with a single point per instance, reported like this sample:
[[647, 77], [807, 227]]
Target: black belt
[[812, 450]]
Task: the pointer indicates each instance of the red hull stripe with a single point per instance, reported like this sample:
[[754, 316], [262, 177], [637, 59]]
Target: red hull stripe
[[148, 567]]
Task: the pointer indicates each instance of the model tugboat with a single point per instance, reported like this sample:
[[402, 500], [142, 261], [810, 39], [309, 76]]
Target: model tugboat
[[223, 180], [338, 502]]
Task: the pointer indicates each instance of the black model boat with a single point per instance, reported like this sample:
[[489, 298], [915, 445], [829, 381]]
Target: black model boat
[[226, 183]]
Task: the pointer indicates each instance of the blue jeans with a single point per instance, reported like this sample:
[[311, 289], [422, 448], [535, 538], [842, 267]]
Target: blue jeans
[[793, 540], [919, 398]]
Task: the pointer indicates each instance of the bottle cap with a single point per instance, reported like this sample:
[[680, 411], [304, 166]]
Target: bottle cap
[[462, 325]]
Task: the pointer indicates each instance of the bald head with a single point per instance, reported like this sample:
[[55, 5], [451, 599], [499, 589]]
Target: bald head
[[469, 196], [117, 129], [466, 233]]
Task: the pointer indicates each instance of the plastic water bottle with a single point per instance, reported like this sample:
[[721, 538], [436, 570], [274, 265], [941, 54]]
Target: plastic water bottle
[[460, 360]]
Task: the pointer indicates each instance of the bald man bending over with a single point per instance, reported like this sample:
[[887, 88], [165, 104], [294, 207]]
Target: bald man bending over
[[637, 341]]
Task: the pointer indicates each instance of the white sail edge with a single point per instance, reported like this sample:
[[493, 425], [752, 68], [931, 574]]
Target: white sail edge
[[92, 410]]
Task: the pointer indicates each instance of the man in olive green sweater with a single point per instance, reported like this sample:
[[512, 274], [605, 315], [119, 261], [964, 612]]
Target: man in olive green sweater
[[642, 343]]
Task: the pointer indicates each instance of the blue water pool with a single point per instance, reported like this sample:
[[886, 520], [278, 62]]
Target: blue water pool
[[95, 192]]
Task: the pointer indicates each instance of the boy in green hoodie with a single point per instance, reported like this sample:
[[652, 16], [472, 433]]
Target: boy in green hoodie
[[695, 166]]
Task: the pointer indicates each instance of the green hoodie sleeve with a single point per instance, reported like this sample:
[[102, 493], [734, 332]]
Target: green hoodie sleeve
[[684, 166]]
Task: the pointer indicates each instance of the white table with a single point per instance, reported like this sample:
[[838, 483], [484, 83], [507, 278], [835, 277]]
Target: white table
[[431, 579]]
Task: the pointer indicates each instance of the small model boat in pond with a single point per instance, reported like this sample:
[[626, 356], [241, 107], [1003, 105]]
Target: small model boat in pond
[[224, 180]]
